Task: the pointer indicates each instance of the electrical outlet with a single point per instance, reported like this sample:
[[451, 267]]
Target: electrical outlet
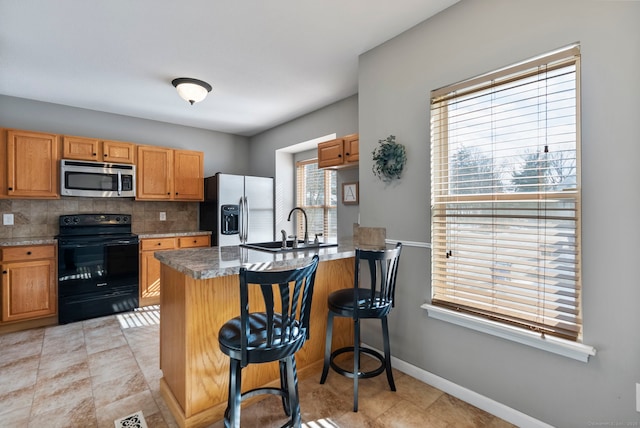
[[637, 397], [7, 219], [163, 216]]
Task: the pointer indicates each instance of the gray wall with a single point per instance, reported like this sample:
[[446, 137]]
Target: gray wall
[[466, 40], [223, 152], [340, 118]]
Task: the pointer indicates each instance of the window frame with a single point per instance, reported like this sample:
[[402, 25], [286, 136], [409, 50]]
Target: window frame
[[326, 208], [477, 319]]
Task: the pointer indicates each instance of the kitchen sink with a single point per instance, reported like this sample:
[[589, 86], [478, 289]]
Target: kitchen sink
[[276, 246]]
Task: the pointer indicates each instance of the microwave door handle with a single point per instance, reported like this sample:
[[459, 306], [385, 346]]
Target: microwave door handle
[[119, 183]]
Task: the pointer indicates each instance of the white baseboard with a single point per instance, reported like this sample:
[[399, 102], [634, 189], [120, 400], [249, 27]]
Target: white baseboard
[[480, 401]]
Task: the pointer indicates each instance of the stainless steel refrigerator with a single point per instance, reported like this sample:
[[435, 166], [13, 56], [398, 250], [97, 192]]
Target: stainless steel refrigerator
[[238, 209]]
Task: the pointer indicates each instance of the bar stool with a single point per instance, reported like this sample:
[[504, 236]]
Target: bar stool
[[274, 334], [363, 303]]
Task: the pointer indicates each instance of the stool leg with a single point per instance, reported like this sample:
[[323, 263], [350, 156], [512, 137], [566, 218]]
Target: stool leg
[[232, 414], [327, 347], [292, 391], [284, 386], [387, 353], [356, 361]]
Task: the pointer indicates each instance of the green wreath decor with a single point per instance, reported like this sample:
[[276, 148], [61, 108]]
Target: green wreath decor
[[389, 159]]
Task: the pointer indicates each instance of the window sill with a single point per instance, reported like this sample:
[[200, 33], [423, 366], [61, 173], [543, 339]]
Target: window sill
[[566, 348]]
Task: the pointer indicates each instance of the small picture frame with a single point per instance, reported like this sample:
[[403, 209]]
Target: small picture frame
[[350, 193]]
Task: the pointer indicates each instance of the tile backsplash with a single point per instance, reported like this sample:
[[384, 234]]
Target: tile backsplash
[[39, 218]]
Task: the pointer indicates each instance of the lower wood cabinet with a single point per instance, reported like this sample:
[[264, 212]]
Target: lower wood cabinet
[[150, 266], [29, 283]]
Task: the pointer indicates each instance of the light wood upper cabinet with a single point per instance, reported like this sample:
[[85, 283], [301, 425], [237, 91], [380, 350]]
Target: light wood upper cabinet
[[168, 174], [92, 149], [28, 282], [188, 175], [339, 153], [154, 173], [330, 153], [351, 148], [30, 164]]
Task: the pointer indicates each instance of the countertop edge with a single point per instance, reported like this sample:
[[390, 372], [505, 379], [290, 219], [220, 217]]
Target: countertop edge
[[214, 262], [18, 242], [148, 235]]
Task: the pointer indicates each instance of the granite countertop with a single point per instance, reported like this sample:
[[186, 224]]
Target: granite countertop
[[38, 240], [42, 240], [213, 262], [172, 234]]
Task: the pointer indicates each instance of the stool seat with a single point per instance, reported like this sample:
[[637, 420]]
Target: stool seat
[[341, 302], [360, 302], [230, 339]]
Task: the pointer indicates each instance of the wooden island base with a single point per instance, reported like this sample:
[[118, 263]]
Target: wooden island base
[[196, 373]]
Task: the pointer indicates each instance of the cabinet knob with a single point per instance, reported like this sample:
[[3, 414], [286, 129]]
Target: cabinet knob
[[4, 272], [28, 253], [10, 188], [347, 154], [159, 243], [339, 156], [176, 193]]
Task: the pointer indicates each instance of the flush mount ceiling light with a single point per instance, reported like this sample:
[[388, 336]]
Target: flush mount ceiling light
[[192, 90]]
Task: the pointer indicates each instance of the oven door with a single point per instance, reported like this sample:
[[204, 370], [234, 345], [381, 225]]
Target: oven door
[[96, 264], [96, 277]]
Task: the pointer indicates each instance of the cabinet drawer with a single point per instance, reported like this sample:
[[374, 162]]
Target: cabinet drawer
[[193, 241], [9, 254], [158, 244]]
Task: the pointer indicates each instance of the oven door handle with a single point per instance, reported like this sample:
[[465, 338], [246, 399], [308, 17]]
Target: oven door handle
[[119, 183], [84, 244], [64, 245], [122, 242]]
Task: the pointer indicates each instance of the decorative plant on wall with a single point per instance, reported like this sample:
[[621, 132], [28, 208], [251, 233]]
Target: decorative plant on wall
[[389, 159]]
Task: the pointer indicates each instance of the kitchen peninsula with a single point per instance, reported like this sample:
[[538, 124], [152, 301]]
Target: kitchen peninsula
[[200, 292]]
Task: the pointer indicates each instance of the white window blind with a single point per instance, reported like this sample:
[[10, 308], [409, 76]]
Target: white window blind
[[506, 195], [317, 194]]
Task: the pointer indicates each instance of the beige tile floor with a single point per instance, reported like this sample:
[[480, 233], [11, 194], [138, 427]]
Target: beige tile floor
[[87, 374]]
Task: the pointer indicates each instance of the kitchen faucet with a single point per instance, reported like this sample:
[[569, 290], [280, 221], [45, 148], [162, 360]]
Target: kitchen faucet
[[306, 234]]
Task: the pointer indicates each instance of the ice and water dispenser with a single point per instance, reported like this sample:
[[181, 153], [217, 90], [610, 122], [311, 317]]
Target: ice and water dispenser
[[229, 219]]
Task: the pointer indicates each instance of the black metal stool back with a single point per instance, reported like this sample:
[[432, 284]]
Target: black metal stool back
[[275, 332], [362, 302]]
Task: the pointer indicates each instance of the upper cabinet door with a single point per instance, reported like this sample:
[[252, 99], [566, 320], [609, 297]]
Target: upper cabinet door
[[154, 175], [32, 160], [118, 152], [351, 148], [188, 175], [80, 148], [330, 153], [91, 149]]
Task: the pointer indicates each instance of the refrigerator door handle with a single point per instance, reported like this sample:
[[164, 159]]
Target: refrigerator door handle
[[241, 220], [246, 228]]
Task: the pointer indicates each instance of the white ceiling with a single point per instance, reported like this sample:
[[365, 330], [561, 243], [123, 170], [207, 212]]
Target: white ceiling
[[269, 61]]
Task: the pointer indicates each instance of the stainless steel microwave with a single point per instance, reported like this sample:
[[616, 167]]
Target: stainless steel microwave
[[97, 179]]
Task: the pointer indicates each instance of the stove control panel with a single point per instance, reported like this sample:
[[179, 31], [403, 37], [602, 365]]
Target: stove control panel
[[95, 219]]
